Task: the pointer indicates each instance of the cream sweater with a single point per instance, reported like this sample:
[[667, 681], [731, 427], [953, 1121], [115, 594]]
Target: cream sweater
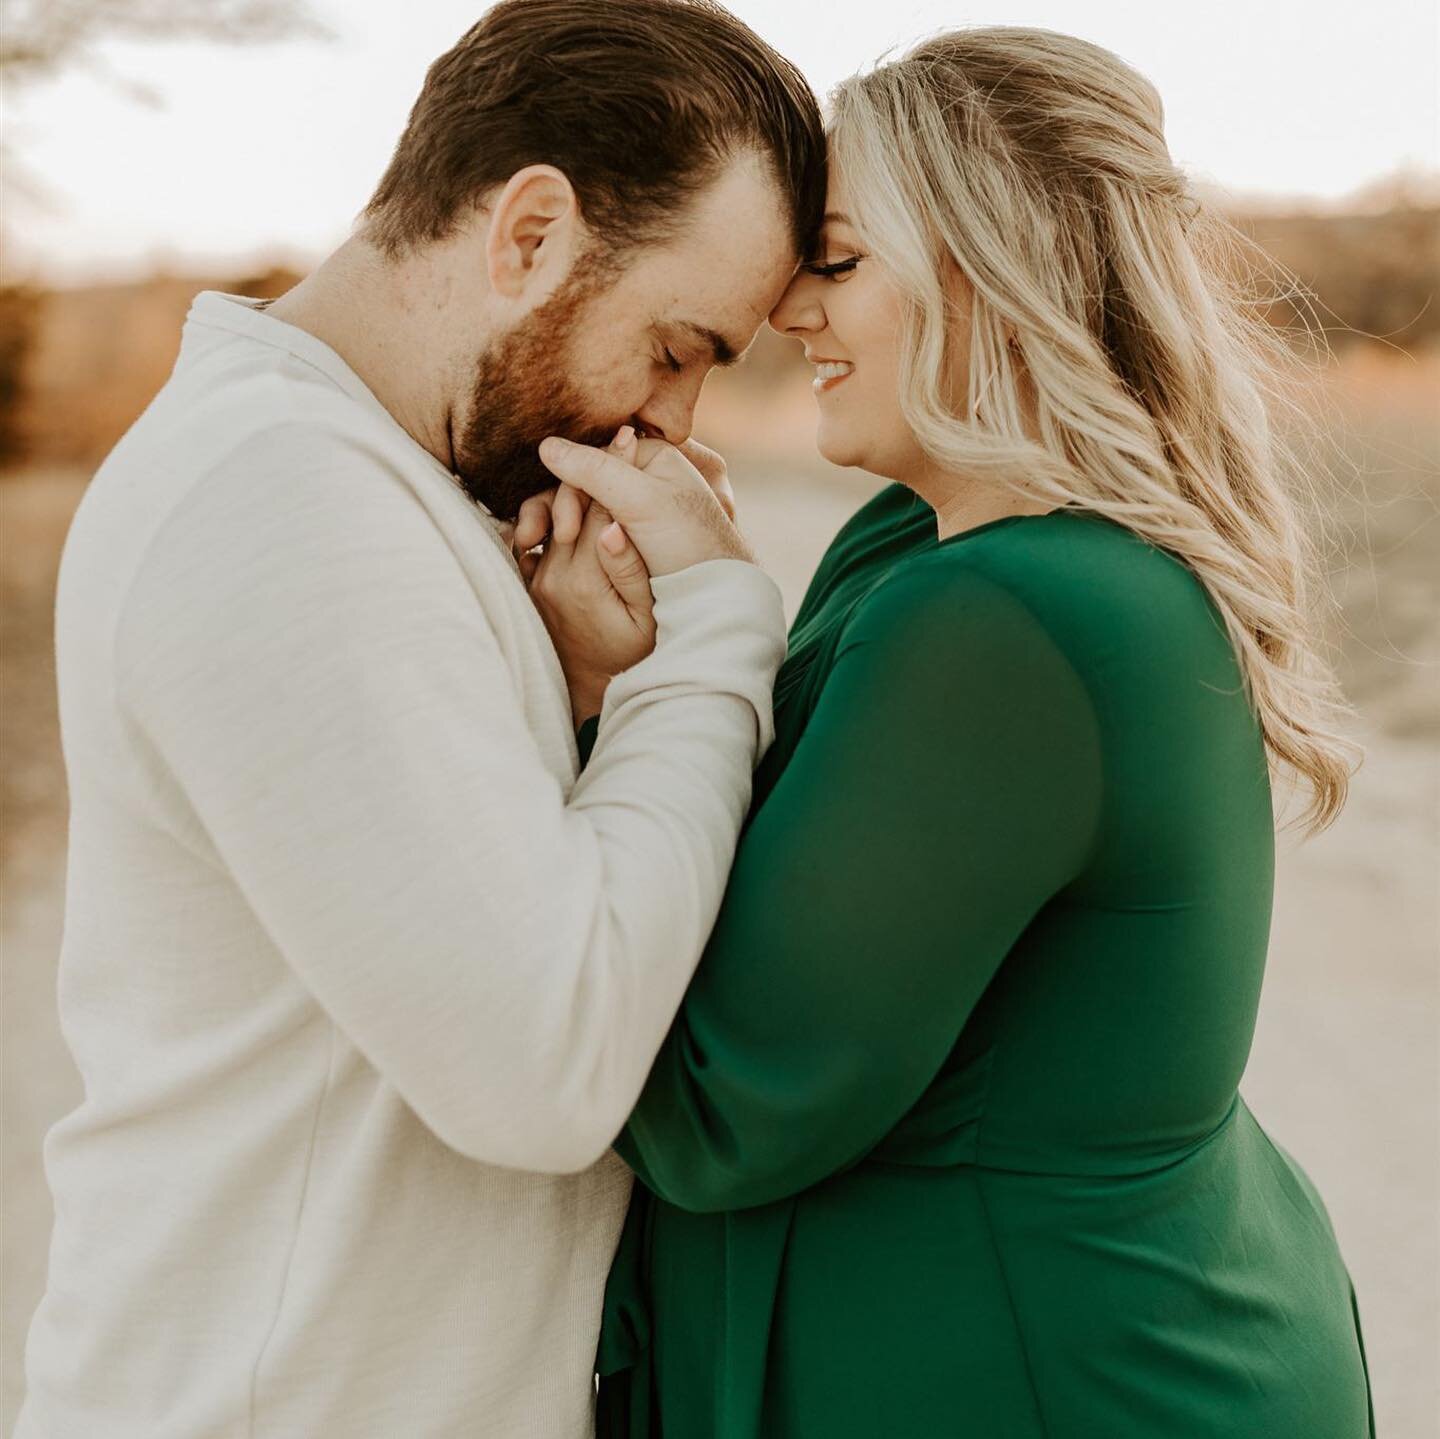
[[361, 979]]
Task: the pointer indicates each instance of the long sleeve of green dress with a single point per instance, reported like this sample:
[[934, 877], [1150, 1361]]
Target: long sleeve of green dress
[[946, 1139], [947, 787]]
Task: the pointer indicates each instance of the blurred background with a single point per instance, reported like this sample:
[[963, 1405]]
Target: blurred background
[[153, 148]]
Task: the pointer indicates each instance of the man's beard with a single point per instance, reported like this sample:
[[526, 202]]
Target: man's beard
[[523, 392]]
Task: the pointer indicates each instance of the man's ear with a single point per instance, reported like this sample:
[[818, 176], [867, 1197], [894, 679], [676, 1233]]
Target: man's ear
[[533, 224]]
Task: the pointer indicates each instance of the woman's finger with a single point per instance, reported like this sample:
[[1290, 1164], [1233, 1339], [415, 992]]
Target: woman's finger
[[625, 444], [532, 524], [568, 514], [597, 517], [624, 568]]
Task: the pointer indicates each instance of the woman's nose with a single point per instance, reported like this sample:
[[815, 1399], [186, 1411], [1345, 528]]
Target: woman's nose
[[799, 311]]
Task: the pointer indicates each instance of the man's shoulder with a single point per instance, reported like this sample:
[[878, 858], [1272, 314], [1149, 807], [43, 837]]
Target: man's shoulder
[[243, 429], [228, 403], [240, 471], [206, 464]]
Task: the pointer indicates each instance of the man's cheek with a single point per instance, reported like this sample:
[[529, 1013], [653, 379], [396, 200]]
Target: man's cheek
[[618, 392]]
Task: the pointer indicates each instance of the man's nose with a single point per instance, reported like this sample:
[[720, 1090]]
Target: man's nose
[[667, 418]]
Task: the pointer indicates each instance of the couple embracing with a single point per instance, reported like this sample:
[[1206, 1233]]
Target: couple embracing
[[492, 958]]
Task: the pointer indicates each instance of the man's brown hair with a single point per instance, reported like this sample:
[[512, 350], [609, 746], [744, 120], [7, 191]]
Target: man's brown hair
[[639, 102]]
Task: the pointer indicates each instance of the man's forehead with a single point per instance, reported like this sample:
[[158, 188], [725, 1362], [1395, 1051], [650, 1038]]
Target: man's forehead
[[712, 287], [720, 318], [722, 274]]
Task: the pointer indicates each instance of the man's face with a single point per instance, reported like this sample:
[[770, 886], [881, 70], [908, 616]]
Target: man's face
[[629, 346]]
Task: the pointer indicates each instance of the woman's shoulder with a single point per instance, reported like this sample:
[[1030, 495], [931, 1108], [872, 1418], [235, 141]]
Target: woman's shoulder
[[1091, 585], [1067, 556]]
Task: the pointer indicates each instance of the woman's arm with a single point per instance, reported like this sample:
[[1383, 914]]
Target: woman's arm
[[946, 787]]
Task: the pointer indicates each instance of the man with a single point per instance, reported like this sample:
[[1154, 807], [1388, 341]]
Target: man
[[361, 978]]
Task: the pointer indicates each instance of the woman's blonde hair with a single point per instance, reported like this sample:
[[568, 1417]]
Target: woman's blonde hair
[[1102, 310]]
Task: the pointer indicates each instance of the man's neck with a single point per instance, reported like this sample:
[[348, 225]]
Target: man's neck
[[371, 311]]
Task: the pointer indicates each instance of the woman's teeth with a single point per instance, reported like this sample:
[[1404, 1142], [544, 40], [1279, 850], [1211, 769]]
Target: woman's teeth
[[831, 372]]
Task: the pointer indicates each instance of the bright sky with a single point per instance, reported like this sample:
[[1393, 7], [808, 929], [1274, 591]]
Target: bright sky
[[273, 150]]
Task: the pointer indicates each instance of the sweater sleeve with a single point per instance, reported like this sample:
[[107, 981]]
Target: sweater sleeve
[[946, 787], [312, 673]]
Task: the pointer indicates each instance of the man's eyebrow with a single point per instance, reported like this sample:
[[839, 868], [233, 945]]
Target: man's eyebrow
[[721, 350]]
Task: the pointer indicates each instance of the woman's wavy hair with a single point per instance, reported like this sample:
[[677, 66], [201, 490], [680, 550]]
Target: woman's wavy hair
[[1104, 308]]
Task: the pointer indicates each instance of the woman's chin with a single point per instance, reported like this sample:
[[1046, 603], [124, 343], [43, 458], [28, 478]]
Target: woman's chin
[[838, 449]]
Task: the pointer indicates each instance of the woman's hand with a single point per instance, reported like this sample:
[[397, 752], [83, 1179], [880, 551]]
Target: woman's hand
[[674, 503], [590, 586]]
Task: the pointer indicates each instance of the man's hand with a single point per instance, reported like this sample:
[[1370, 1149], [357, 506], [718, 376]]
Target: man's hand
[[712, 469], [674, 516], [590, 587]]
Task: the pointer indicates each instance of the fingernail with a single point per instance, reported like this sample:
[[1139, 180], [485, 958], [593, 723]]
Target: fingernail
[[624, 435], [552, 447], [613, 538]]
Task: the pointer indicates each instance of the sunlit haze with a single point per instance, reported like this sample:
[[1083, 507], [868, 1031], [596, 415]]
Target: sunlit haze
[[270, 151]]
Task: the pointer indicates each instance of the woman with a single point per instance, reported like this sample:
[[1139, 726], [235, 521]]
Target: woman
[[946, 1139]]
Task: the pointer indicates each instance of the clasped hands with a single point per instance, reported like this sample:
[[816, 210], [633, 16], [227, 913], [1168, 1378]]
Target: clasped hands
[[588, 548]]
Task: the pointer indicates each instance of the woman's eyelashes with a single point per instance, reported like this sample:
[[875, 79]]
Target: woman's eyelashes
[[671, 363], [836, 271]]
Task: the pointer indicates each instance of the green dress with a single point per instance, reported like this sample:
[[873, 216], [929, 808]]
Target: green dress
[[946, 1138]]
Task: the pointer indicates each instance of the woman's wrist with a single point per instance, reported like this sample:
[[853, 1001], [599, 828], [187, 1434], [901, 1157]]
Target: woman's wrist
[[587, 696]]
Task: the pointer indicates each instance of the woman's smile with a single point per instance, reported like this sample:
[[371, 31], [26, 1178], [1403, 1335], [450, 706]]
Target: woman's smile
[[829, 373]]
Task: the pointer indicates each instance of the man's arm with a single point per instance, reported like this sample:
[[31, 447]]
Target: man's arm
[[304, 655]]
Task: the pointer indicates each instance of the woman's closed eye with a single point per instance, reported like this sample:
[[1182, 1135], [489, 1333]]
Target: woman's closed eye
[[836, 271]]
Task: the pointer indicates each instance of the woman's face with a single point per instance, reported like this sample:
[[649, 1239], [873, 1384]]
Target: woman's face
[[844, 309]]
